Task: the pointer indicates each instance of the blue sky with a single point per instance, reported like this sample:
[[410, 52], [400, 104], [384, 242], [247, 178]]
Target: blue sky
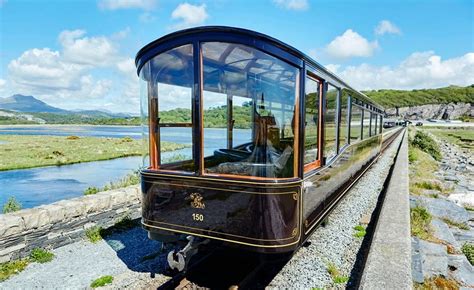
[[79, 54]]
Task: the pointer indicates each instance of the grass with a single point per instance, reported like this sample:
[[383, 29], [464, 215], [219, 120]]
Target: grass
[[360, 231], [41, 256], [11, 268], [426, 144], [22, 151], [468, 250], [335, 275], [129, 179], [437, 282], [463, 137], [11, 205], [420, 220], [94, 234], [462, 226], [102, 281]]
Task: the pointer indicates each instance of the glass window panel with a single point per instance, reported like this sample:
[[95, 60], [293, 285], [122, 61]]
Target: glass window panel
[[343, 125], [380, 124], [356, 121], [312, 96], [170, 82], [330, 122], [257, 134], [374, 124], [366, 125]]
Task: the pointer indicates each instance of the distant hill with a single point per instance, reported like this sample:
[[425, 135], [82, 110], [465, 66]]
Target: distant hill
[[20, 109], [30, 104], [401, 98]]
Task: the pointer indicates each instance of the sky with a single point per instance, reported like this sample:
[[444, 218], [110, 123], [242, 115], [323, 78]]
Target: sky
[[80, 54]]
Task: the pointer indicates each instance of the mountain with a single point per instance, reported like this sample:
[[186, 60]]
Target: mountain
[[30, 104]]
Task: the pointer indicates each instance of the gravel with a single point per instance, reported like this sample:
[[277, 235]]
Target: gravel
[[76, 265], [335, 243]]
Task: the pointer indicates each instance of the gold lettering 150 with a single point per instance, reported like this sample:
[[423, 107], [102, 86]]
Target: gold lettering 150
[[198, 217]]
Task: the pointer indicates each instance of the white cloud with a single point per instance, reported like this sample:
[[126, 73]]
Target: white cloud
[[69, 77], [189, 15], [80, 49], [292, 4], [127, 4], [351, 44], [386, 27], [419, 70]]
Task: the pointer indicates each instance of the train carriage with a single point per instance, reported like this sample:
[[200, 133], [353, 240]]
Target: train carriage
[[273, 139]]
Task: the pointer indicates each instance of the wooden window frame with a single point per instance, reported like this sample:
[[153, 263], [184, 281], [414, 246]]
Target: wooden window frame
[[317, 163]]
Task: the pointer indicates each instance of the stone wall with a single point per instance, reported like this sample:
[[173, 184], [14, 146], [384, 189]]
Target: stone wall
[[449, 111], [63, 222]]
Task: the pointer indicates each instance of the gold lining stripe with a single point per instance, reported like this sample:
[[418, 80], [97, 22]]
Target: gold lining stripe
[[233, 190], [222, 239], [201, 178], [220, 233]]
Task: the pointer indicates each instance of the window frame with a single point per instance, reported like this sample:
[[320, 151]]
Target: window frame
[[317, 163], [296, 144]]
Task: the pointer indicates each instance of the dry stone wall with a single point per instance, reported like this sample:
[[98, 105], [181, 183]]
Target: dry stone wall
[[63, 222]]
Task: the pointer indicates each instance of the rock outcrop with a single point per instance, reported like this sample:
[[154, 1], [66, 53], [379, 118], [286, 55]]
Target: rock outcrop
[[449, 111]]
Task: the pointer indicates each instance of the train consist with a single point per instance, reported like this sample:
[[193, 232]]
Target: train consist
[[275, 140]]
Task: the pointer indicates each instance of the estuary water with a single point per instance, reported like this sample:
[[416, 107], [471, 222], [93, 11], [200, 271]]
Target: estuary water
[[43, 185]]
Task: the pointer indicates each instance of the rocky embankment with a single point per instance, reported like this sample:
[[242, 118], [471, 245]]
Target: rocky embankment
[[452, 224], [449, 111]]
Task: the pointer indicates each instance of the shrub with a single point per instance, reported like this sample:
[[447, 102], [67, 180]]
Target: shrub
[[127, 139], [91, 190], [102, 281], [468, 250], [41, 256], [11, 205], [426, 144], [94, 234], [420, 222]]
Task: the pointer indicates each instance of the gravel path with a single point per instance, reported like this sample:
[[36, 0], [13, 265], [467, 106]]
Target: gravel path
[[335, 243], [76, 265]]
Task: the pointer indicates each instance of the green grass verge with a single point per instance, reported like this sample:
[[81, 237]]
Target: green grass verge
[[21, 151], [463, 137], [11, 268], [426, 144], [102, 281]]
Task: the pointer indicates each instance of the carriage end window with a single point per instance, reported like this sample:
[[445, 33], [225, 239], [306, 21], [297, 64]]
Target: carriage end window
[[249, 112]]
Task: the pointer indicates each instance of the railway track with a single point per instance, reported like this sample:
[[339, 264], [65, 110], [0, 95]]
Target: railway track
[[227, 268]]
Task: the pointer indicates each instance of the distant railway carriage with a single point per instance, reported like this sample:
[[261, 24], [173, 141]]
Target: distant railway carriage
[[274, 138]]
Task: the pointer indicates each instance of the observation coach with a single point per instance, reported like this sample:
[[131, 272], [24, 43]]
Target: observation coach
[[272, 139]]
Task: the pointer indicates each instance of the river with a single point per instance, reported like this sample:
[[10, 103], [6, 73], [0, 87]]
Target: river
[[43, 185]]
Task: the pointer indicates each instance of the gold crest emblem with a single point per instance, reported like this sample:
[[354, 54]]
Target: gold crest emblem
[[197, 200]]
